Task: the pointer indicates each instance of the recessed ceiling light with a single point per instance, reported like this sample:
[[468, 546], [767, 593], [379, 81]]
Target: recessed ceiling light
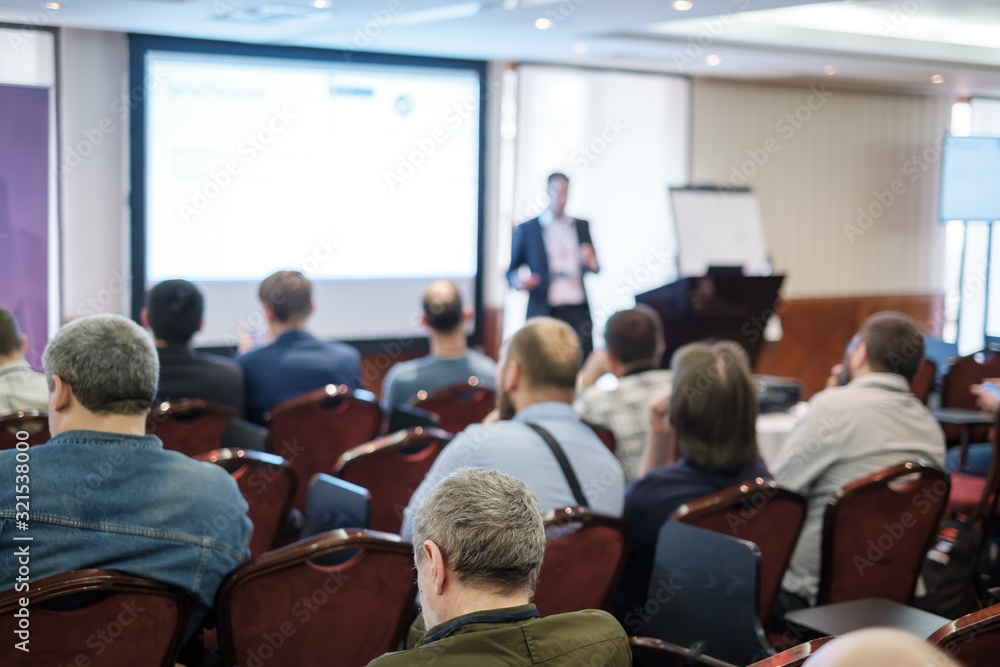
[[683, 5], [543, 24], [829, 70], [321, 4], [52, 5], [713, 60], [937, 78], [580, 47]]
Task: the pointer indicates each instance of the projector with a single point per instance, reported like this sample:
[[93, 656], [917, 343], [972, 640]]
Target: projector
[[777, 394]]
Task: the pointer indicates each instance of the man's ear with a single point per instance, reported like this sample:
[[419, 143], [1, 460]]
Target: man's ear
[[201, 323], [437, 570], [467, 315], [62, 394], [24, 342], [512, 376], [144, 317]]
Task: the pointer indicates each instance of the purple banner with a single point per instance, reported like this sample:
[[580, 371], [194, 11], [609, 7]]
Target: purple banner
[[24, 211]]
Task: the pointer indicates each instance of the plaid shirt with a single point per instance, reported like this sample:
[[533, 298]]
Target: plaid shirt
[[625, 411]]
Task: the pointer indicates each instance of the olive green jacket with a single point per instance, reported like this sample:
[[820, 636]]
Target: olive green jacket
[[516, 636]]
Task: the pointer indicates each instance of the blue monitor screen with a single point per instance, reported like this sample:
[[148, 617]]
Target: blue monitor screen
[[970, 179]]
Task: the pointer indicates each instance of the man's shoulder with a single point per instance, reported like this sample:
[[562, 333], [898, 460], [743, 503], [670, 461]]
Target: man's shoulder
[[565, 638]]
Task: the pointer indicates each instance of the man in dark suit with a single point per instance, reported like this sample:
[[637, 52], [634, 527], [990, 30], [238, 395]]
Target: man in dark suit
[[558, 250], [174, 313], [296, 362]]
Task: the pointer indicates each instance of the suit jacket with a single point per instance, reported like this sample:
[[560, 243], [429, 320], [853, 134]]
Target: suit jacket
[[185, 373], [528, 248]]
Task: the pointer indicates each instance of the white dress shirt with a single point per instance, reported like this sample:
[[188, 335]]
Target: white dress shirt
[[562, 246]]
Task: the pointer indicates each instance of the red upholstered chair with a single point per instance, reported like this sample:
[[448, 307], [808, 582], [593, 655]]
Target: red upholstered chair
[[190, 426], [119, 620], [973, 640], [758, 511], [972, 496], [391, 468], [36, 424], [652, 652], [281, 609], [267, 483], [604, 433], [887, 521], [312, 431], [964, 372], [459, 405], [584, 557], [793, 657], [923, 381]]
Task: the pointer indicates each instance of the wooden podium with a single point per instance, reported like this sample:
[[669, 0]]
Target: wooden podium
[[715, 307]]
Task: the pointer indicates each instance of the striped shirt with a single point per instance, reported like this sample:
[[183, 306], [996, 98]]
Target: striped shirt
[[22, 389]]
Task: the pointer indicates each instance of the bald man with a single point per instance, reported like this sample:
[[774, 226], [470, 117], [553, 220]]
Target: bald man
[[538, 368], [450, 361], [878, 647]]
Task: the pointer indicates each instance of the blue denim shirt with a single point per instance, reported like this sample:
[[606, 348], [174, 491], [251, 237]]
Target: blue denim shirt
[[120, 502]]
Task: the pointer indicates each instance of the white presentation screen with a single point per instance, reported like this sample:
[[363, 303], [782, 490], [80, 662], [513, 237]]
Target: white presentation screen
[[970, 173], [364, 177], [719, 228]]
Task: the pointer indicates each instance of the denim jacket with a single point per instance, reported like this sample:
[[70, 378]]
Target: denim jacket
[[120, 502]]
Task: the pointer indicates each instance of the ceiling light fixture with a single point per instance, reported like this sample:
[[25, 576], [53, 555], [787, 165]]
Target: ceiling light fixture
[[683, 5], [321, 4], [937, 78], [713, 60], [829, 70], [52, 5], [543, 24]]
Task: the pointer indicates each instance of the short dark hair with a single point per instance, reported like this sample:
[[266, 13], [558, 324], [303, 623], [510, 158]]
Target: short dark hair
[[547, 352], [10, 333], [174, 308], [895, 344], [288, 294], [443, 306], [557, 175], [633, 335], [713, 408]]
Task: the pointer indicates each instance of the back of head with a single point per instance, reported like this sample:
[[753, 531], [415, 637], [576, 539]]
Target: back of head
[[557, 176], [894, 342], [877, 647], [547, 352], [10, 334], [634, 336], [488, 527], [175, 308], [713, 407], [288, 294], [108, 361], [443, 306]]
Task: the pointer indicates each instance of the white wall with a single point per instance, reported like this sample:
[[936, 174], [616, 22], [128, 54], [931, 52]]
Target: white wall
[[94, 172], [814, 170]]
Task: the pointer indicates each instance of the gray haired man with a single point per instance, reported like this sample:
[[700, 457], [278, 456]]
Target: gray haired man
[[104, 494], [478, 543]]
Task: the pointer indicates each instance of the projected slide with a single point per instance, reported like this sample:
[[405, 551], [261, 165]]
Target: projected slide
[[970, 173], [348, 172]]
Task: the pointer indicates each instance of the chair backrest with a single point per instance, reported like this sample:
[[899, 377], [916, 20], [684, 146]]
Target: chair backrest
[[190, 426], [876, 532], [923, 381], [35, 424], [99, 618], [651, 652], [758, 511], [962, 373], [705, 587], [604, 433], [459, 405], [392, 468], [795, 656], [973, 640], [334, 504], [312, 431], [585, 554], [268, 485], [282, 606]]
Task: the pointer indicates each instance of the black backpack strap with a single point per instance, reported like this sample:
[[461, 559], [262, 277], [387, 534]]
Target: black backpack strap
[[557, 451]]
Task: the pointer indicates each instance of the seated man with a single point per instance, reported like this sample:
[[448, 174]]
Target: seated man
[[105, 495], [478, 543], [296, 362], [537, 380], [869, 424], [450, 361], [21, 388], [634, 346], [712, 426], [174, 313]]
